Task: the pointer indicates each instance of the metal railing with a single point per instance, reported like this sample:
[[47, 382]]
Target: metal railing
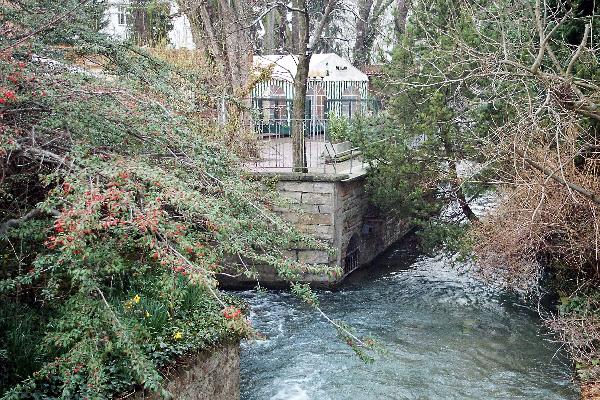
[[278, 107], [275, 148]]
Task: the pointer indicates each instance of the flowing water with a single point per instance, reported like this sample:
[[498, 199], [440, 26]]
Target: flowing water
[[446, 336]]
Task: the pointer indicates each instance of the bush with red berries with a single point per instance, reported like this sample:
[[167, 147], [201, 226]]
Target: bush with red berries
[[116, 215]]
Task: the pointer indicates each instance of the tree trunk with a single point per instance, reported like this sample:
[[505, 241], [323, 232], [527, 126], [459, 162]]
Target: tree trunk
[[141, 28], [300, 81], [453, 178], [400, 16], [237, 45], [283, 29], [221, 25], [305, 50], [367, 25], [198, 35], [295, 42], [229, 43], [362, 50], [268, 44], [459, 193]]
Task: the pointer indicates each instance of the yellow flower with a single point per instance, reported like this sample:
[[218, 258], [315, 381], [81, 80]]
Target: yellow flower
[[147, 314], [136, 298], [178, 335]]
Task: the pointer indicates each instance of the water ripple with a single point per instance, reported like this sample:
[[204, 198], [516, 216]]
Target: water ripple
[[446, 336]]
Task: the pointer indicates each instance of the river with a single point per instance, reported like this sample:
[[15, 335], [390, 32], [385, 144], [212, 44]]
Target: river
[[445, 334]]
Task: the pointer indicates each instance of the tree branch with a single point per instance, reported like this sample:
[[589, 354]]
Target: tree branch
[[43, 27], [544, 38], [321, 25], [579, 49], [15, 222], [551, 174]]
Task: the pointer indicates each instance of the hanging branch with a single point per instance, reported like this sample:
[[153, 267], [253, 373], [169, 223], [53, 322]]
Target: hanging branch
[[15, 222], [44, 27], [551, 174]]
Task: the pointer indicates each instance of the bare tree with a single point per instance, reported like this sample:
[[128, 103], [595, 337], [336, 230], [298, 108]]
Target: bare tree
[[367, 28], [306, 46], [219, 27], [225, 29]]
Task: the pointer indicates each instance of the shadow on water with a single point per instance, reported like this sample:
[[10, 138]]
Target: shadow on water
[[398, 257], [445, 334]]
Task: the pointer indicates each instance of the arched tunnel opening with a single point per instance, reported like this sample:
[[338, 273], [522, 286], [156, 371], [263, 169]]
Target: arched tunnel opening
[[352, 256]]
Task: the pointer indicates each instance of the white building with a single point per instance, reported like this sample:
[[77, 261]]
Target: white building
[[118, 16], [334, 86]]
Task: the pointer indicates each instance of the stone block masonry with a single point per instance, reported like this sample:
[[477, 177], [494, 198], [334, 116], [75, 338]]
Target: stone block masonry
[[335, 209], [315, 216], [212, 374]]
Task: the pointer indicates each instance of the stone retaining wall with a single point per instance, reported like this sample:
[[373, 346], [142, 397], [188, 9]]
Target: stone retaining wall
[[333, 208], [312, 211], [357, 217], [209, 375]]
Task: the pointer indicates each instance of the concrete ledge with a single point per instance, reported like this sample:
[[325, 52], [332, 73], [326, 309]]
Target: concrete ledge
[[355, 177], [299, 177], [307, 177]]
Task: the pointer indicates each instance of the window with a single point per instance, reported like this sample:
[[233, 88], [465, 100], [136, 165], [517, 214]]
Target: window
[[275, 104], [122, 15], [350, 101], [316, 99]]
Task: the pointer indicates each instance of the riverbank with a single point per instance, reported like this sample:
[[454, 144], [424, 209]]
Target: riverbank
[[590, 391]]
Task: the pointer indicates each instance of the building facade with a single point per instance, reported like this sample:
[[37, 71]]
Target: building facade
[[334, 85], [118, 19]]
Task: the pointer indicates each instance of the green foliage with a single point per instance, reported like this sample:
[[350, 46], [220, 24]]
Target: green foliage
[[80, 22], [338, 128], [116, 214], [453, 237], [426, 132], [20, 331], [160, 21], [304, 292]]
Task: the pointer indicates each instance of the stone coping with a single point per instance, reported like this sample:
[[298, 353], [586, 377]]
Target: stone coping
[[307, 177]]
